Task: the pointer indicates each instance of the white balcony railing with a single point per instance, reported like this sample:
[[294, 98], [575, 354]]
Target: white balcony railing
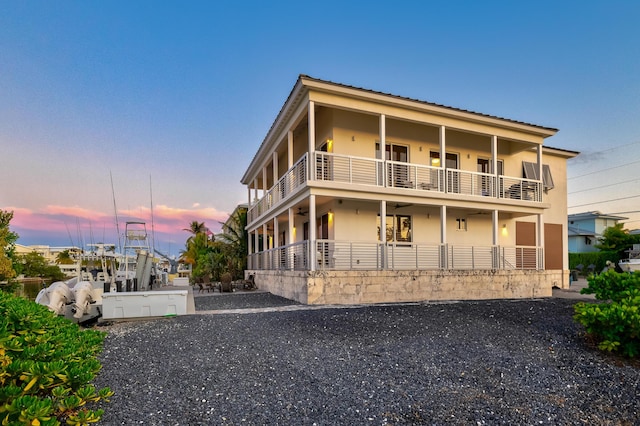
[[349, 169], [395, 174], [349, 255], [294, 178], [519, 189], [414, 176]]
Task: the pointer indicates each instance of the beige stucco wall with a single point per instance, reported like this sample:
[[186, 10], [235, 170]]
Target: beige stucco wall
[[349, 287], [357, 221], [356, 134]]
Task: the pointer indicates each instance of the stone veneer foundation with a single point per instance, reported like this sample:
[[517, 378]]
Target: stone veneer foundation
[[363, 287]]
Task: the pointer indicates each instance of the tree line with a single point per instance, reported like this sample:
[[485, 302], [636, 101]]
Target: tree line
[[210, 256]]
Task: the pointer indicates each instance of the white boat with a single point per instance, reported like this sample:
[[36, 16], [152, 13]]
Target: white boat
[[80, 298], [633, 262], [115, 294], [137, 269]]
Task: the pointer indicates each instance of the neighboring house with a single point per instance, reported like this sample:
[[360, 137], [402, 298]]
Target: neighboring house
[[51, 254], [230, 223], [585, 229], [357, 196], [48, 252]]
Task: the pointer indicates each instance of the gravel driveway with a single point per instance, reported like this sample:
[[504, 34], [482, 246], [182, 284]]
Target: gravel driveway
[[489, 362]]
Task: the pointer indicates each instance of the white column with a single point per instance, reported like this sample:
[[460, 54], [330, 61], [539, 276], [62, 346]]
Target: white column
[[289, 149], [276, 233], [277, 255], [312, 233], [265, 237], [265, 188], [494, 164], [275, 166], [290, 255], [443, 156], [249, 196], [443, 224], [256, 241], [443, 146], [291, 225], [255, 188], [383, 233], [540, 239], [444, 251], [312, 140], [496, 226], [539, 152], [383, 133], [250, 260]]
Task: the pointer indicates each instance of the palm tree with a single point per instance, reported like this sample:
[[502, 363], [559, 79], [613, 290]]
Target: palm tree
[[197, 246], [64, 258], [236, 236], [196, 228]]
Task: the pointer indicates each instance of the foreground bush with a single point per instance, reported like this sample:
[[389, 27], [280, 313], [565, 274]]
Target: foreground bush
[[615, 324], [46, 364], [612, 285]]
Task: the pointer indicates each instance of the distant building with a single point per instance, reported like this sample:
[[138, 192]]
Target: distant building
[[51, 254], [48, 252], [230, 222], [586, 228]]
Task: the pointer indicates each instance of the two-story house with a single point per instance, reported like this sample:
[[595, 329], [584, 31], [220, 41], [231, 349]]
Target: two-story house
[[357, 196], [585, 229]]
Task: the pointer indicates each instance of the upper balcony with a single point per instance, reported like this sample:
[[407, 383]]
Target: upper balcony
[[360, 171]]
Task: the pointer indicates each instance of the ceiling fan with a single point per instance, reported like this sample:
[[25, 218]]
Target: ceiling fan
[[399, 206], [300, 212]]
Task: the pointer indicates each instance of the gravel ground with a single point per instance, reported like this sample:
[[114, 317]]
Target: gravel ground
[[489, 362], [243, 300]]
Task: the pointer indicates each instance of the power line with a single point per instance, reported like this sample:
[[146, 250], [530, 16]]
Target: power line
[[603, 186], [614, 148], [604, 170], [605, 201]]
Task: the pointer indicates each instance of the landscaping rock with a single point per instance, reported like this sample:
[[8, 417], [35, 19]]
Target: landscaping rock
[[487, 362]]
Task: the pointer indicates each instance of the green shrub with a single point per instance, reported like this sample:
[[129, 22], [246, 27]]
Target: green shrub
[[46, 363], [611, 285], [615, 324], [598, 258]]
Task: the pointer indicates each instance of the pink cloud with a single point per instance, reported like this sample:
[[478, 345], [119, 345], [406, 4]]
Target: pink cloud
[[77, 225], [177, 218], [75, 212]]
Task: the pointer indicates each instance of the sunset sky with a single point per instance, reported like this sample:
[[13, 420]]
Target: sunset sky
[[172, 99]]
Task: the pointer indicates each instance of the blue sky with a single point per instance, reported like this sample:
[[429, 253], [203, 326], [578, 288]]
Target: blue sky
[[178, 95]]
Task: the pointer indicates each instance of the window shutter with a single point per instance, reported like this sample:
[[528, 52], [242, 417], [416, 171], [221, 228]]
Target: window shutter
[[547, 179], [531, 172]]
